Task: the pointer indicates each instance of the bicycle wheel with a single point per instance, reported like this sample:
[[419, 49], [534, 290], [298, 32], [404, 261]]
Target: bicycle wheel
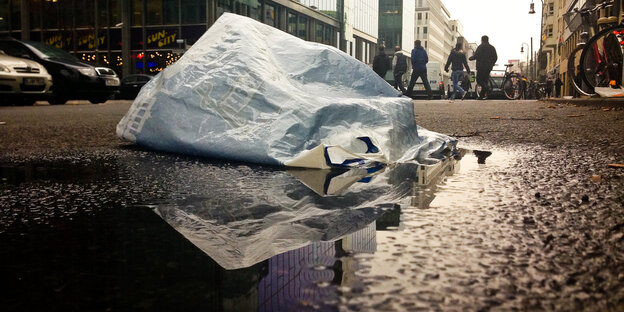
[[511, 87], [602, 58], [575, 73]]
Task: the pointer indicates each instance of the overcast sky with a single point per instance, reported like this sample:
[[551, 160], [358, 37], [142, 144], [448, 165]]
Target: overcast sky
[[507, 23]]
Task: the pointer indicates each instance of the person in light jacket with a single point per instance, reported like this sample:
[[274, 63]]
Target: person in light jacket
[[399, 66]]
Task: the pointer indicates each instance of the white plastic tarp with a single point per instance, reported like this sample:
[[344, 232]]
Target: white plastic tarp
[[249, 92]]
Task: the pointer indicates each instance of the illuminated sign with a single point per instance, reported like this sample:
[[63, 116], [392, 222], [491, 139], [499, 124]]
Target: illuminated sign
[[165, 38]]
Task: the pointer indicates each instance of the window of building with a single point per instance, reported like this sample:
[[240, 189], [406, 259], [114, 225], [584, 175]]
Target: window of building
[[35, 14], [15, 15], [319, 32], [4, 14], [115, 12], [102, 13], [302, 27], [419, 17], [420, 4], [137, 13], [161, 12], [269, 15], [193, 12], [424, 32], [223, 6], [426, 16], [87, 12], [551, 8], [550, 31], [292, 24], [425, 44]]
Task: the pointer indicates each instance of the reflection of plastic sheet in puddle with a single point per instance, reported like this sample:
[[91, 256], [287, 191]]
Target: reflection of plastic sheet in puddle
[[247, 216]]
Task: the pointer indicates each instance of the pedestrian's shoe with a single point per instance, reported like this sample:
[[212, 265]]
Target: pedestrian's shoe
[[464, 95]]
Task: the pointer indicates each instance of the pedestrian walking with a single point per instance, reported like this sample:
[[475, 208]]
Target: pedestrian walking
[[486, 57], [457, 61], [399, 67], [549, 87], [381, 63], [558, 84], [523, 87], [419, 69]]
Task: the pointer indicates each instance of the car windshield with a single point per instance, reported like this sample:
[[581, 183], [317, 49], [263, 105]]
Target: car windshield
[[51, 52]]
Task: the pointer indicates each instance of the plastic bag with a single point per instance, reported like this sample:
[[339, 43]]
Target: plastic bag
[[249, 92]]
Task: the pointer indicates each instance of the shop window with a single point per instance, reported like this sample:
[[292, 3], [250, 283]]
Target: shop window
[[269, 15], [137, 12], [115, 38], [192, 33], [86, 13], [50, 19], [88, 57], [116, 62], [85, 40], [162, 38], [302, 27], [59, 39], [292, 24], [4, 14], [136, 38], [193, 12]]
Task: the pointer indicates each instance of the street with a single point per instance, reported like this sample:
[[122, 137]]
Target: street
[[538, 225]]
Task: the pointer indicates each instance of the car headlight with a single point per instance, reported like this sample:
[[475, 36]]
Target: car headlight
[[4, 69], [87, 71]]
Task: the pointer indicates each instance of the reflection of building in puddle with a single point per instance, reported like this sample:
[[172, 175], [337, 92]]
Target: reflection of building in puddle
[[305, 275]]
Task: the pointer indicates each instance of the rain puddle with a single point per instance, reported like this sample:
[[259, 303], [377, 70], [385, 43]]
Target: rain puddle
[[145, 231]]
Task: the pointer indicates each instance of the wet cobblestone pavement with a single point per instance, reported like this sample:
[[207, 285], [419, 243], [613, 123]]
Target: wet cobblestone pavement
[[538, 224]]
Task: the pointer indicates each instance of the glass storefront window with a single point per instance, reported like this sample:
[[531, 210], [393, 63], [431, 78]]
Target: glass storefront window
[[192, 33], [115, 38], [302, 28], [136, 38], [116, 62], [85, 13], [327, 39], [137, 12], [292, 24], [269, 15], [193, 12], [4, 14], [159, 38], [87, 57], [85, 40]]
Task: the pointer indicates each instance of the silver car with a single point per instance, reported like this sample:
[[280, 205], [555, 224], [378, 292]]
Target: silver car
[[22, 81]]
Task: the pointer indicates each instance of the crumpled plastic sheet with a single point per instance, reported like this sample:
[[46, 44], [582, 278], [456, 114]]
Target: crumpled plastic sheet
[[248, 92]]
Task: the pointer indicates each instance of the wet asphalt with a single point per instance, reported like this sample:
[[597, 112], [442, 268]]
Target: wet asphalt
[[540, 227]]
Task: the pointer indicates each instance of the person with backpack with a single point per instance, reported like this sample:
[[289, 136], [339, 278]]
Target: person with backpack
[[399, 67], [486, 58], [381, 63], [457, 60], [419, 69]]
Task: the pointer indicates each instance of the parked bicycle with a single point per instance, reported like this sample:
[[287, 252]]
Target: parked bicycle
[[510, 84], [597, 60]]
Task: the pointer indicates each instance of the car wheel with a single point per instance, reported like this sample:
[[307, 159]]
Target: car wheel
[[26, 102], [97, 100]]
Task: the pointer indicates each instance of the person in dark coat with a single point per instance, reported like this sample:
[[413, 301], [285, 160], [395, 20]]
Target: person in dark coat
[[457, 61], [399, 67], [486, 58], [419, 68], [549, 87], [381, 63], [558, 84]]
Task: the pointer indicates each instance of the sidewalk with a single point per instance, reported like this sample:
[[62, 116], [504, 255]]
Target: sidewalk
[[599, 101]]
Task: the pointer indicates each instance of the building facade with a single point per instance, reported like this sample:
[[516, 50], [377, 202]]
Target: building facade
[[433, 29], [145, 36], [396, 24]]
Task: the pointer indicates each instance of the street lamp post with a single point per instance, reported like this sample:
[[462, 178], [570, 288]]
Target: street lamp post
[[532, 11], [527, 57]]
